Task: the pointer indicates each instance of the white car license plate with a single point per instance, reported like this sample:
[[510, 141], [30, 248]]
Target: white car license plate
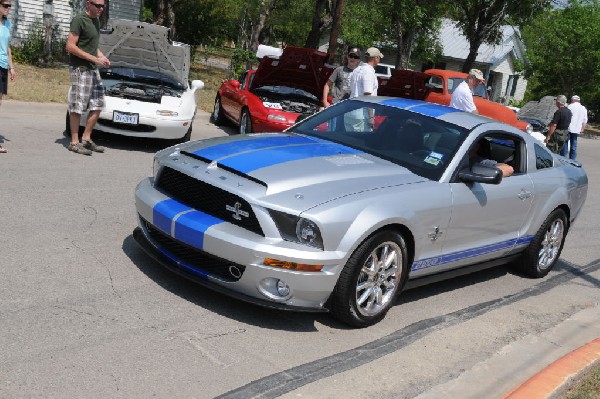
[[125, 117]]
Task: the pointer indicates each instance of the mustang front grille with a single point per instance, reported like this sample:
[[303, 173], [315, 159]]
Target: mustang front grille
[[199, 259], [208, 199]]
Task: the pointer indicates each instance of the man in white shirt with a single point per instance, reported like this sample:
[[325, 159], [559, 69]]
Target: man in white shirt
[[363, 82], [579, 119], [462, 96]]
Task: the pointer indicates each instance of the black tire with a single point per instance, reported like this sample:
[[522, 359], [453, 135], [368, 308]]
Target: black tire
[[188, 135], [367, 287], [543, 252], [217, 115], [245, 122]]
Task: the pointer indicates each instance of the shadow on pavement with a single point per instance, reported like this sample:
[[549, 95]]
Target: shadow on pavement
[[221, 304]]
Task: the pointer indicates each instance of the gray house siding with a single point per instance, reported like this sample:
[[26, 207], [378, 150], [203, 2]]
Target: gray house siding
[[25, 13]]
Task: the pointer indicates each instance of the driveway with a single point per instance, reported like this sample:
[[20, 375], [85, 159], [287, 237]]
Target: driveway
[[85, 313]]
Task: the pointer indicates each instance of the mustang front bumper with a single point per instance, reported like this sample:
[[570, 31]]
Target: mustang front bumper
[[230, 259]]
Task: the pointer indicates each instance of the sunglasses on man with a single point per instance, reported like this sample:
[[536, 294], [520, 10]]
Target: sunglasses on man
[[98, 6], [6, 5], [354, 56]]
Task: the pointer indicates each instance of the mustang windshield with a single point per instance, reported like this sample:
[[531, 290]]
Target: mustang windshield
[[422, 144]]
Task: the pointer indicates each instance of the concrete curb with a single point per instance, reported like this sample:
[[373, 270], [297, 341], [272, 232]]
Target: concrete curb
[[558, 376]]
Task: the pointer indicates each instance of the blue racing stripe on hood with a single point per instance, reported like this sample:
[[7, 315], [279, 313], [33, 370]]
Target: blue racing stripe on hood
[[248, 162], [164, 212], [191, 226], [235, 147], [429, 109]]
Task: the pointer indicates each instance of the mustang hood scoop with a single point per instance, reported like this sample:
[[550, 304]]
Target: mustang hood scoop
[[134, 44], [289, 162]]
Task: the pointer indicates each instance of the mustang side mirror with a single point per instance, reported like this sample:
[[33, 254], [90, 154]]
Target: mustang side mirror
[[481, 174], [236, 84]]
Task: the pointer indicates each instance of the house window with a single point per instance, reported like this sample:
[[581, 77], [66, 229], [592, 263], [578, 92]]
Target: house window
[[515, 80]]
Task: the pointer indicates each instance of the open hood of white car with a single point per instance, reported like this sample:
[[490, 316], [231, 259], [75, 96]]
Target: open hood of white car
[[134, 44]]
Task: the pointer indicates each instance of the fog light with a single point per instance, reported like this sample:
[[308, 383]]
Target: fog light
[[275, 289], [282, 288]]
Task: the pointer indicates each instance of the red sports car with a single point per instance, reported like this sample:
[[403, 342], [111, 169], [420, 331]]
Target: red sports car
[[272, 97]]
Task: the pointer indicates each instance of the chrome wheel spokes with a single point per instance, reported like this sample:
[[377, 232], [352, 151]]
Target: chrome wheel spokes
[[379, 278], [551, 244]]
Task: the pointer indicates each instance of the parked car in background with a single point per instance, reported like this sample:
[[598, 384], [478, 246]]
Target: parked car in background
[[384, 70], [437, 86], [147, 91], [272, 97], [341, 217], [540, 129]]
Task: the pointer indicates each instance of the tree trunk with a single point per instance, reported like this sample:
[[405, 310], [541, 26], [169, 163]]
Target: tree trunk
[[104, 16], [266, 6], [335, 28], [166, 15], [312, 41]]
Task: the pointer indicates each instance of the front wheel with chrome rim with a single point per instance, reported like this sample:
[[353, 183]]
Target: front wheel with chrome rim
[[371, 280], [543, 252]]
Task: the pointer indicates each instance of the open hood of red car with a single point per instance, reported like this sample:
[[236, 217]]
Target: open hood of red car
[[404, 83], [300, 68]]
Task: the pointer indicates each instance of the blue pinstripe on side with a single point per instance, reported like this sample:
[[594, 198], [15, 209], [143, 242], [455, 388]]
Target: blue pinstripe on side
[[469, 253]]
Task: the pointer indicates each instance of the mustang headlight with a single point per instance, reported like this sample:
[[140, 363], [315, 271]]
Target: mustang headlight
[[297, 229]]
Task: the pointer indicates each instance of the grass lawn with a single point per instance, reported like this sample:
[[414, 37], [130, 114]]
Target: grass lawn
[[45, 85]]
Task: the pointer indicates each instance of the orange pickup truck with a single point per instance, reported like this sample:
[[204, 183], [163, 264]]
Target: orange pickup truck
[[437, 85]]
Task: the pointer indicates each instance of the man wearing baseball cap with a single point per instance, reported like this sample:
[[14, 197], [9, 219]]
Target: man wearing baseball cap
[[363, 82], [339, 81], [579, 118], [462, 96]]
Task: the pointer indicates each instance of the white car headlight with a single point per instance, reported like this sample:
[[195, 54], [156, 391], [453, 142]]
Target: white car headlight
[[529, 128], [297, 229], [166, 112]]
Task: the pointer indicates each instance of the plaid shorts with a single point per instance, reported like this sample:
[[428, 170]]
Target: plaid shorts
[[86, 91]]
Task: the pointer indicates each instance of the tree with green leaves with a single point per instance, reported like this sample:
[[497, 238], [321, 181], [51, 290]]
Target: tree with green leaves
[[481, 21], [411, 26], [563, 53]]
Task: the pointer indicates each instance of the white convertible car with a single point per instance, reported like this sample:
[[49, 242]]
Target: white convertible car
[[344, 209], [147, 90]]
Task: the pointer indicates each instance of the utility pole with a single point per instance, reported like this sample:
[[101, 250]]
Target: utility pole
[[48, 20]]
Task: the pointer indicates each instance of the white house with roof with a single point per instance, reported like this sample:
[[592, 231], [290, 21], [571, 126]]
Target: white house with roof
[[25, 13], [497, 62]]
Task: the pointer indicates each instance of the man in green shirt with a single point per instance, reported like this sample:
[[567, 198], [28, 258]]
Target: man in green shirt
[[86, 92]]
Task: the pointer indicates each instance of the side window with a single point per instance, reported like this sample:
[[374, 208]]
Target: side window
[[502, 148], [242, 79], [436, 84], [543, 160]]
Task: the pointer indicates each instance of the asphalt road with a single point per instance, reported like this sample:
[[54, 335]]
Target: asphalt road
[[84, 313]]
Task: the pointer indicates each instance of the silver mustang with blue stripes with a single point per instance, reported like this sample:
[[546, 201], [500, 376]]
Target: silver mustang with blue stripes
[[349, 207]]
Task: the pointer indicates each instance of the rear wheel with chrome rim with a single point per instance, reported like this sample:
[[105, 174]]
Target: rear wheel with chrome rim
[[543, 252]]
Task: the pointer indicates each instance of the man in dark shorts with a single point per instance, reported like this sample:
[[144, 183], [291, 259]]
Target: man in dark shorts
[[86, 92], [557, 134]]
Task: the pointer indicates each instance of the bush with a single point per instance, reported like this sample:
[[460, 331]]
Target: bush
[[31, 50]]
